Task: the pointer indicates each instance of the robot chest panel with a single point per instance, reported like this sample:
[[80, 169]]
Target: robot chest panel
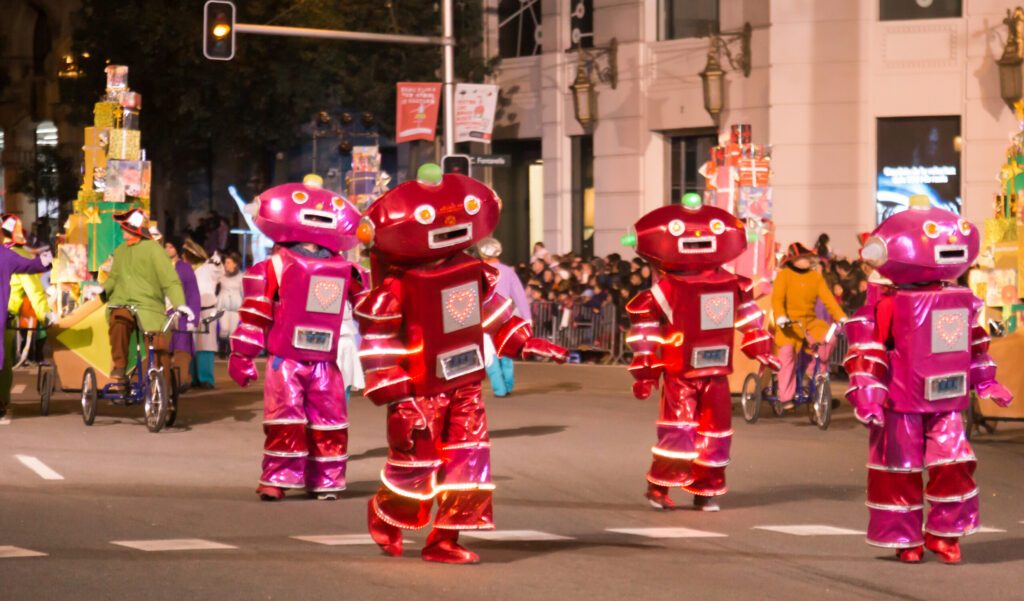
[[314, 289], [445, 302], [460, 307], [949, 330], [708, 309]]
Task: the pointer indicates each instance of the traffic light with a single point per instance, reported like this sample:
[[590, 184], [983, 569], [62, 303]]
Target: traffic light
[[456, 163], [219, 30]]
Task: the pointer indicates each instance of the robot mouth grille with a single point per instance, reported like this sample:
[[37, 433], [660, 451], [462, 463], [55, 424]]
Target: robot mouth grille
[[315, 218], [443, 237], [950, 254], [695, 245]]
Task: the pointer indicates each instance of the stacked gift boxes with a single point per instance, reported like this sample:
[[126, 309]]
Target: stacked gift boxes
[[115, 177], [738, 178]]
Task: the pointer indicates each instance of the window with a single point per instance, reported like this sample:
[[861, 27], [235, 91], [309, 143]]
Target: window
[[583, 200], [917, 155], [689, 153], [901, 10], [519, 32], [687, 18]]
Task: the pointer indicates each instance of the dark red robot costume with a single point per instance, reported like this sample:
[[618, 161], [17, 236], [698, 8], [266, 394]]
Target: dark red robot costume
[[423, 326], [682, 331]]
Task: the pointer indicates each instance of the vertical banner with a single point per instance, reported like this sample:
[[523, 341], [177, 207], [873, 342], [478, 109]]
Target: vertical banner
[[475, 104], [416, 111]]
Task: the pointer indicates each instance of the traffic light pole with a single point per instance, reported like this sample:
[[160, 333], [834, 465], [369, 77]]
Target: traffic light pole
[[446, 41]]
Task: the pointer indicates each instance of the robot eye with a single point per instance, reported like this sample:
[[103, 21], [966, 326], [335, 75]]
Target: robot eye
[[717, 227], [338, 202], [299, 198], [964, 226], [931, 229], [676, 227], [472, 204], [425, 214]]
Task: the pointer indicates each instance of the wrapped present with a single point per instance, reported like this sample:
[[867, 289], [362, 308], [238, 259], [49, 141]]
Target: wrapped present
[[754, 203], [104, 114], [70, 264], [999, 231], [127, 181], [95, 156], [754, 172], [104, 233], [125, 144], [76, 229]]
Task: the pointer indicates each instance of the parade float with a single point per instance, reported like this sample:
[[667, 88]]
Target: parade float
[[115, 177]]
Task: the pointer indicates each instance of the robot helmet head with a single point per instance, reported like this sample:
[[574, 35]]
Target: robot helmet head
[[922, 244], [690, 237], [431, 218], [307, 212]]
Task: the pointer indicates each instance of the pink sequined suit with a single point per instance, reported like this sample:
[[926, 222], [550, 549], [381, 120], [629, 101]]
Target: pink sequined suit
[[422, 351], [915, 355], [293, 308], [682, 332]]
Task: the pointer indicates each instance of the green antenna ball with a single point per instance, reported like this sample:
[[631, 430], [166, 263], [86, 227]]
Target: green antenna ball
[[692, 200], [628, 240], [429, 173]]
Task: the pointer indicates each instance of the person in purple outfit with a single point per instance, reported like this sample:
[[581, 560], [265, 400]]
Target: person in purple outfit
[[11, 263], [182, 343], [501, 370]]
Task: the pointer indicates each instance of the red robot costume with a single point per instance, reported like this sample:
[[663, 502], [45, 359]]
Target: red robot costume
[[682, 331], [293, 307], [422, 351], [915, 354]]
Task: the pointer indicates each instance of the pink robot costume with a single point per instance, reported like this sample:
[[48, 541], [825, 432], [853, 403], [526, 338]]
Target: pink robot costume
[[915, 355], [293, 307]]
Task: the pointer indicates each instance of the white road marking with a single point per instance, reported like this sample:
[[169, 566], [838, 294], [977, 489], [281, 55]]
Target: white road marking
[[340, 539], [6, 421], [39, 467], [172, 544], [514, 535], [668, 532], [8, 552], [987, 530], [810, 530], [18, 389]]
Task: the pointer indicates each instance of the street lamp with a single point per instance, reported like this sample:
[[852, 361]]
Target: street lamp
[[713, 75], [584, 96], [1010, 84]]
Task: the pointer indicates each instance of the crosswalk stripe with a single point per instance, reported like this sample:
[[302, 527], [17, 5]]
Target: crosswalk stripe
[[172, 544], [810, 530], [6, 421], [987, 530], [9, 552], [667, 532], [41, 469], [514, 535], [338, 539], [18, 389]]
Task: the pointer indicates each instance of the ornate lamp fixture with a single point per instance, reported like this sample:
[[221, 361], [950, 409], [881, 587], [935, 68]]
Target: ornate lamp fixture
[[1010, 84], [713, 75], [584, 96]]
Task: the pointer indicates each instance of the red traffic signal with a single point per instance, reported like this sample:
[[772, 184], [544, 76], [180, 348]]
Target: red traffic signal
[[456, 163], [219, 30]]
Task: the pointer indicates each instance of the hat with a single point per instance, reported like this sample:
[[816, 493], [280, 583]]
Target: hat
[[489, 248], [12, 228], [154, 233], [797, 250], [194, 253], [134, 221]]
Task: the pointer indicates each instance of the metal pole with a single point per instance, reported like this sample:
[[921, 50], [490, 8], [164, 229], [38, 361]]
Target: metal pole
[[448, 33], [330, 34]]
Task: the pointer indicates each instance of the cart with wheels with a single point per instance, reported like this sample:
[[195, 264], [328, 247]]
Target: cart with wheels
[[984, 416], [814, 391]]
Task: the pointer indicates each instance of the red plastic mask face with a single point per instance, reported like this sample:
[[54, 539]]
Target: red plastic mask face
[[675, 238], [418, 222]]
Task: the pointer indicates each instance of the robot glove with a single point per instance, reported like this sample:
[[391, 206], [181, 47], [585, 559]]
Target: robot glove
[[242, 369], [870, 414], [995, 391], [542, 348], [642, 388]]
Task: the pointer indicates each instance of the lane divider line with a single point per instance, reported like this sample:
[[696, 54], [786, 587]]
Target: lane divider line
[[18, 389], [41, 469], [172, 544], [10, 552]]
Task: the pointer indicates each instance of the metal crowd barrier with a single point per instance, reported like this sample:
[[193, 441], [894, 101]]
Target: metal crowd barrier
[[835, 360], [579, 329]]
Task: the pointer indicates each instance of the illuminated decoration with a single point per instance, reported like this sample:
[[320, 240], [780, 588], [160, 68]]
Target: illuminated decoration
[[692, 201], [425, 214], [472, 204], [949, 330], [676, 227]]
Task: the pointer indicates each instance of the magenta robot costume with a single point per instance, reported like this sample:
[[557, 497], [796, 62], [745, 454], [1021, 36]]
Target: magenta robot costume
[[915, 355], [293, 307]]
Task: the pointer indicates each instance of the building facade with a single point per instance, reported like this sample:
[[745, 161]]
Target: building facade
[[862, 102]]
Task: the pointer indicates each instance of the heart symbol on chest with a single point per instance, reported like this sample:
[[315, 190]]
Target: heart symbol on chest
[[716, 308], [950, 328], [327, 292], [461, 304]]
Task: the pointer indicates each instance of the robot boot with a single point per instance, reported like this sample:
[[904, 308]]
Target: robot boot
[[443, 546]]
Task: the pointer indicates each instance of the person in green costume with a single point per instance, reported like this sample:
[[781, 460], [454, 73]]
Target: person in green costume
[[141, 275], [23, 285]]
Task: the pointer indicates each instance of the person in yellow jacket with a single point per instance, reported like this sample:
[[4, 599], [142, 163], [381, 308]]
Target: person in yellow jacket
[[797, 288], [24, 286]]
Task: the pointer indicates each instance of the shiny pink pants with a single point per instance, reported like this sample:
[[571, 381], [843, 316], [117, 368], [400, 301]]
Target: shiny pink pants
[[694, 435], [438, 447], [787, 373], [900, 452], [306, 425]]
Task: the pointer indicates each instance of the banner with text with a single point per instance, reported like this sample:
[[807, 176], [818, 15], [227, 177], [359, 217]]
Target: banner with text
[[475, 104], [416, 111]]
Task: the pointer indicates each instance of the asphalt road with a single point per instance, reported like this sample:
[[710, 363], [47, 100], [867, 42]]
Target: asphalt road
[[570, 451]]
